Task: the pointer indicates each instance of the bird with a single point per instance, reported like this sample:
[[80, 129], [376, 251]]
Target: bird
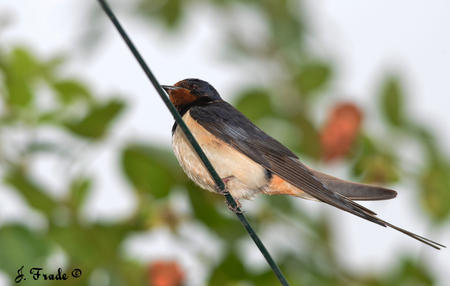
[[250, 162]]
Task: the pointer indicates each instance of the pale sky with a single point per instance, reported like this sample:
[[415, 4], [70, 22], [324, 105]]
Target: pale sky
[[363, 38]]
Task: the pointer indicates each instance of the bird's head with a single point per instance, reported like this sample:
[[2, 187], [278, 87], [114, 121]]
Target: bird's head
[[191, 91]]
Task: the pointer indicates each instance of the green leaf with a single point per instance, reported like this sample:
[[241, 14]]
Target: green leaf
[[21, 69], [310, 139], [19, 92], [170, 12], [255, 104], [313, 76], [79, 189], [268, 278], [428, 141], [35, 196], [205, 208], [50, 70], [373, 165], [96, 123], [409, 272], [42, 147], [435, 191], [150, 169], [70, 90], [377, 168], [285, 26], [392, 101], [20, 246], [129, 273], [229, 272], [91, 246]]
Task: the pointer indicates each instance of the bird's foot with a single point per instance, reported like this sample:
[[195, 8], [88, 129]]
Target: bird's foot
[[225, 181], [236, 209]]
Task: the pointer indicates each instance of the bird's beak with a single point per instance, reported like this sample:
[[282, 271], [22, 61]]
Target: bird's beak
[[169, 88]]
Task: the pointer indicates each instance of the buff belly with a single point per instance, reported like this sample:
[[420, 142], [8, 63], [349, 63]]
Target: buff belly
[[246, 177]]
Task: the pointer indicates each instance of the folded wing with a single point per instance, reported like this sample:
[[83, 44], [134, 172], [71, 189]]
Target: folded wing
[[231, 126]]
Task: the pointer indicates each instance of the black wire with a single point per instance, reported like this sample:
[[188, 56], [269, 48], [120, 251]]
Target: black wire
[[194, 143]]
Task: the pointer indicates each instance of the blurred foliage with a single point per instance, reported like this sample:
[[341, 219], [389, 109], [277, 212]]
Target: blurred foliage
[[34, 97], [159, 177], [392, 101]]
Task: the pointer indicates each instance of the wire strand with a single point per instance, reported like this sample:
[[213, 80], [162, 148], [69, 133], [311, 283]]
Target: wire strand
[[218, 181]]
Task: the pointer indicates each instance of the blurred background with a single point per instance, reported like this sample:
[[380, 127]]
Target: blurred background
[[358, 89]]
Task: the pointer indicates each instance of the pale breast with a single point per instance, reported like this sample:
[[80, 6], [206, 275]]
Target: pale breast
[[248, 176]]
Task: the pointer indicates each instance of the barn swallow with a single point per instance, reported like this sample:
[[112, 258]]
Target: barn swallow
[[251, 162]]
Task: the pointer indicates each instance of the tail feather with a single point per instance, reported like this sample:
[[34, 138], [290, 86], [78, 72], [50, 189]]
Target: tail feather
[[354, 191], [291, 177], [369, 215], [422, 239]]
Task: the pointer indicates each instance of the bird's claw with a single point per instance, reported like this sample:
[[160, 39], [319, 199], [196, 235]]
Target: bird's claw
[[225, 192], [225, 181], [236, 209]]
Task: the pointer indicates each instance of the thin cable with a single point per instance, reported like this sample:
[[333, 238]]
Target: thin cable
[[194, 143]]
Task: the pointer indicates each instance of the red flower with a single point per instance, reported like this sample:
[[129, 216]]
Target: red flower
[[340, 130], [165, 273]]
